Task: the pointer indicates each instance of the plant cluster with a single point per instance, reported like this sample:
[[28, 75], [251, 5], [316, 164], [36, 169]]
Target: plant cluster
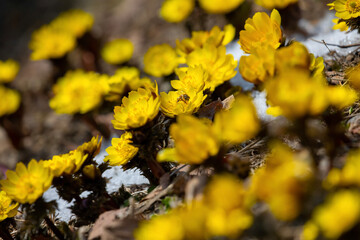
[[306, 187]]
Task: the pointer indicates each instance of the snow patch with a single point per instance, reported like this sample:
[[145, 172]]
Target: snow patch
[[323, 31], [63, 212], [233, 48], [259, 100], [116, 175]]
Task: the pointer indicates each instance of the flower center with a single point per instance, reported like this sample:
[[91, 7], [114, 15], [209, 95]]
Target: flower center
[[353, 6], [30, 188]]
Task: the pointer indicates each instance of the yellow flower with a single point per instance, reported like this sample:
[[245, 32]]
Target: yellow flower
[[229, 224], [221, 213], [75, 21], [186, 222], [8, 208], [219, 65], [310, 231], [348, 175], [119, 82], [191, 78], [92, 148], [341, 96], [71, 162], [271, 4], [164, 227], [78, 92], [66, 163], [180, 102], [198, 39], [227, 215], [229, 34], [10, 100], [48, 42], [274, 111], [282, 182], [91, 171], [225, 192], [138, 83], [313, 95], [194, 141], [346, 9], [121, 151], [26, 185], [124, 80], [189, 96], [259, 65], [338, 214], [297, 93], [264, 61], [8, 70], [261, 30], [239, 123], [193, 218], [176, 10], [342, 26], [160, 60], [117, 51], [353, 76], [317, 66], [294, 55], [127, 73], [136, 110], [219, 6]]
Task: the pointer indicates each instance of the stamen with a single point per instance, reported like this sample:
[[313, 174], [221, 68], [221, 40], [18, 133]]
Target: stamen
[[353, 6]]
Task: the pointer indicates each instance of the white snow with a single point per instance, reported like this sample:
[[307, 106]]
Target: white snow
[[116, 176], [323, 31], [63, 213], [259, 100], [233, 48]]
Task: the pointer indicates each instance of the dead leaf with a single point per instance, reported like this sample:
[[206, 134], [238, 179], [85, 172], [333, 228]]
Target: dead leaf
[[108, 227], [164, 183], [156, 194], [227, 102], [208, 111], [121, 229], [116, 224], [335, 77]]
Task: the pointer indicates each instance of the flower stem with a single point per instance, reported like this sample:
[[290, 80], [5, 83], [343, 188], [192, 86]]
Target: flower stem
[[54, 229], [155, 168], [306, 141]]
